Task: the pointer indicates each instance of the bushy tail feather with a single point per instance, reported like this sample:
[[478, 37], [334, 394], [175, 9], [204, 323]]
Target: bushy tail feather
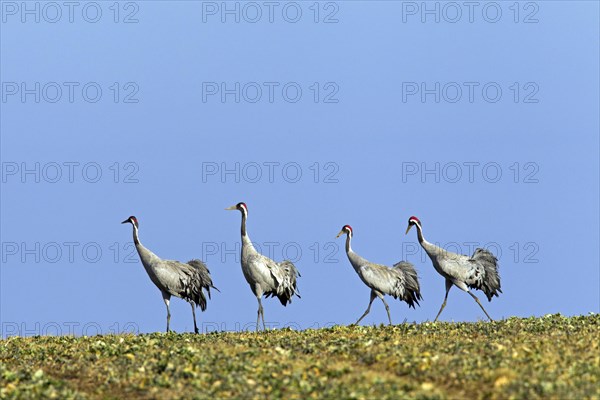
[[490, 283], [201, 280], [412, 289], [288, 288]]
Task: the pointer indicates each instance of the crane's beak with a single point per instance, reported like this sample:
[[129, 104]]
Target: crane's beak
[[408, 229], [232, 207], [126, 221], [340, 234]]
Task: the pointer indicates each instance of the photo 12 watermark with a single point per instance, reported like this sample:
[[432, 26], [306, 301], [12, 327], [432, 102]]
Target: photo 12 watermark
[[249, 326], [470, 92], [270, 172], [70, 12], [67, 252], [69, 92], [270, 92], [69, 172], [525, 252], [313, 252], [470, 12], [516, 172], [70, 328], [270, 12]]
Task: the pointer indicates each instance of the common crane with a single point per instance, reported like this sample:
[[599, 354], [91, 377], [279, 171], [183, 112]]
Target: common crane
[[265, 276], [400, 282], [480, 271], [173, 278]]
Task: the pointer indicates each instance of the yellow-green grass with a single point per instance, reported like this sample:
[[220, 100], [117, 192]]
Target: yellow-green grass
[[549, 357]]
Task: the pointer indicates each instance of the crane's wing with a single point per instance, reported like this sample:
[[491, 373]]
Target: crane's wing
[[378, 277], [397, 282], [170, 275], [274, 269], [457, 267], [187, 280]]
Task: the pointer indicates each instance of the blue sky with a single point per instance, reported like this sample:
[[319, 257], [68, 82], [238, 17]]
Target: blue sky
[[484, 125]]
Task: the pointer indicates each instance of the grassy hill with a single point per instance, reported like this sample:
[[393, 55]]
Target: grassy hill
[[549, 357]]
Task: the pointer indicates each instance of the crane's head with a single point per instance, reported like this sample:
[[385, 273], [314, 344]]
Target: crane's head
[[242, 207], [345, 229], [413, 221], [131, 220]]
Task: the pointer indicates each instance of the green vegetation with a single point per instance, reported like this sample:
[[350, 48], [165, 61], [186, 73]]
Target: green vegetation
[[549, 357]]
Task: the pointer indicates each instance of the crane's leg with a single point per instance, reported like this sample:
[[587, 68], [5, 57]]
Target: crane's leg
[[480, 305], [259, 314], [448, 287], [194, 314], [166, 298], [373, 295], [387, 308], [262, 316]]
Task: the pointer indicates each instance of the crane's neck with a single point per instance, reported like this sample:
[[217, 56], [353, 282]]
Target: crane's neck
[[420, 234], [147, 257], [244, 216], [245, 238], [355, 260], [431, 249], [348, 243], [136, 238]]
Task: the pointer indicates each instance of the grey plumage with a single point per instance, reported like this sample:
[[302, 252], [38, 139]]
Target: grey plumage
[[411, 283], [187, 281], [480, 271], [484, 273], [193, 277], [400, 281], [265, 276], [286, 275]]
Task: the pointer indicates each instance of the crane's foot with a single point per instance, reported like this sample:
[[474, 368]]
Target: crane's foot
[[487, 315], [196, 330]]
